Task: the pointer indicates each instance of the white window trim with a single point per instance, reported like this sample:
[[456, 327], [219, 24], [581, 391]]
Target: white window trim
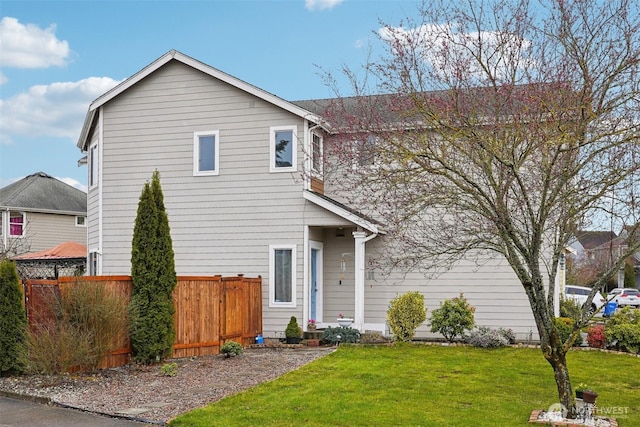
[[272, 151], [272, 268], [24, 225], [358, 143], [196, 153], [317, 172], [84, 225], [93, 165]]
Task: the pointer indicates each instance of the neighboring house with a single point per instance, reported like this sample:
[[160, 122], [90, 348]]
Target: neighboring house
[[596, 248], [586, 241], [39, 212], [243, 181], [632, 233]]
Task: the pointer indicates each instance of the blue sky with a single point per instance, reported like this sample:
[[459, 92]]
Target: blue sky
[[58, 56]]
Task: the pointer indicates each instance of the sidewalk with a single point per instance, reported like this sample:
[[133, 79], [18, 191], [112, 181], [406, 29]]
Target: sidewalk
[[32, 413]]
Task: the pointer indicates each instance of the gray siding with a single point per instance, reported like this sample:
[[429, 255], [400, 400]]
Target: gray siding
[[93, 208], [45, 230], [224, 224], [492, 287], [219, 224]]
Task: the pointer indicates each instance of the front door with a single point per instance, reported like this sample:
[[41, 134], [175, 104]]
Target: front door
[[315, 282]]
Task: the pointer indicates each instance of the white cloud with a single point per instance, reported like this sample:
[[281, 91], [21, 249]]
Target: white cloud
[[452, 52], [321, 4], [55, 110], [74, 183], [3, 79], [29, 46]]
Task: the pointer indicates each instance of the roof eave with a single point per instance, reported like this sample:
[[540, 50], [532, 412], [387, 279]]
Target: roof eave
[[343, 213], [46, 211], [83, 141]]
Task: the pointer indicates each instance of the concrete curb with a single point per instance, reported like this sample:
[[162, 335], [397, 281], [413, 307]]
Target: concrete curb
[[48, 401]]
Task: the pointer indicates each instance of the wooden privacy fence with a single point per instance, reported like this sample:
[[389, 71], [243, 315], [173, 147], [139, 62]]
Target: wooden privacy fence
[[209, 311]]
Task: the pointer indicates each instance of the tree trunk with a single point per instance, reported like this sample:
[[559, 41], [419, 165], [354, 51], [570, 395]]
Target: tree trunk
[[558, 361]]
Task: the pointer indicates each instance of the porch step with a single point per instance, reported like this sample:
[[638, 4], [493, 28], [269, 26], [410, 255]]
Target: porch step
[[313, 335]]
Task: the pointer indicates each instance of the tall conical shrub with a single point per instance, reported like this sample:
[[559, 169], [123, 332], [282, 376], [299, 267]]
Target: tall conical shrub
[[13, 322], [153, 272]]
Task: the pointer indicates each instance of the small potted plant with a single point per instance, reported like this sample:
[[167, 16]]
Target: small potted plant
[[293, 333], [311, 325], [580, 390], [589, 396], [344, 321]]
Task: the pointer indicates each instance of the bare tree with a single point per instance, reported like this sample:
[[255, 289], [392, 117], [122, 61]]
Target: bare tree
[[12, 246], [499, 127]]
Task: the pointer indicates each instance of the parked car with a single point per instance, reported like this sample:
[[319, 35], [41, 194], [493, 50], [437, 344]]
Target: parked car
[[625, 296], [580, 293]]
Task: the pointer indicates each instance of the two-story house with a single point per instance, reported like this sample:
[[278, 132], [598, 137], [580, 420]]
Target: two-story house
[[242, 175], [39, 212]]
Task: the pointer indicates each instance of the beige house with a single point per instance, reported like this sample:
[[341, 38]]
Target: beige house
[[39, 212], [242, 174]]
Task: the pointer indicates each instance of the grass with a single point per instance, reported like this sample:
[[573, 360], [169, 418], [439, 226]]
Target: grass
[[421, 385]]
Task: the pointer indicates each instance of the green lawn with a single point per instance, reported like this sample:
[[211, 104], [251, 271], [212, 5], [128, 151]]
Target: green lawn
[[419, 385]]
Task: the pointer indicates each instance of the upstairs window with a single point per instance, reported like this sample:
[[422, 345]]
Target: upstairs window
[[93, 165], [81, 221], [283, 149], [16, 224], [365, 151], [316, 153], [206, 153]]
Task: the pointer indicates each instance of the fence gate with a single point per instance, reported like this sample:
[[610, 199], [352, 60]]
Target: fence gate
[[231, 311]]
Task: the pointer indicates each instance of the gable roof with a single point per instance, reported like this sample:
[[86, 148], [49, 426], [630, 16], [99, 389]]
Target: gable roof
[[343, 211], [40, 192], [174, 55], [593, 239]]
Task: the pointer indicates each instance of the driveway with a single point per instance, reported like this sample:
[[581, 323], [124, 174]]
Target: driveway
[[25, 413]]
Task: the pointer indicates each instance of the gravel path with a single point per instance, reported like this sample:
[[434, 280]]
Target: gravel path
[[142, 392]]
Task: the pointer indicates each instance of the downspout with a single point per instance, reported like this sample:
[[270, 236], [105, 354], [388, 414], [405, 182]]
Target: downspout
[[361, 239], [5, 228]]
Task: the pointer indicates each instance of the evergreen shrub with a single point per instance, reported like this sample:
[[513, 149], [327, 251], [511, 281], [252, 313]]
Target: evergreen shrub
[[293, 330], [564, 325], [570, 308], [13, 322], [406, 312], [623, 329], [346, 334], [231, 348], [453, 318], [151, 308]]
